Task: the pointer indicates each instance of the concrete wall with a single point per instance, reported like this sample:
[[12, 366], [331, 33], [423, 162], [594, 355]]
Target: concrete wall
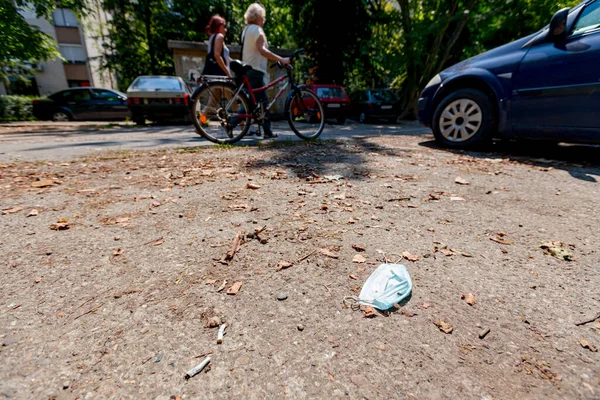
[[52, 78]]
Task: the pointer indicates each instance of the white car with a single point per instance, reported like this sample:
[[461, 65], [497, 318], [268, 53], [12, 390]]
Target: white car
[[158, 98]]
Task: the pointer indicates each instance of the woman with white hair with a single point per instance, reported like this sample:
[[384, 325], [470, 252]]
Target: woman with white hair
[[255, 51]]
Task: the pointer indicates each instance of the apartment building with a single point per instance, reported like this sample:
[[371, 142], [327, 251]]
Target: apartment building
[[83, 44]]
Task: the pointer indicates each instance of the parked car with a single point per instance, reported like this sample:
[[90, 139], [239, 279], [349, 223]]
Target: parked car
[[158, 98], [335, 100], [543, 86], [82, 103], [367, 105]]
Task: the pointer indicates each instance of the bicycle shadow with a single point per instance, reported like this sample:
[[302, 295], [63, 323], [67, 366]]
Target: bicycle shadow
[[329, 159]]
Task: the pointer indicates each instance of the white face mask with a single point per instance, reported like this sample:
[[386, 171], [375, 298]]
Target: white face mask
[[388, 284]]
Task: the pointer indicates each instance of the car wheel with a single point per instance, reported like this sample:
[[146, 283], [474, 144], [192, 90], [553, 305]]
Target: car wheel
[[465, 118], [61, 116], [139, 119], [341, 120], [363, 119]]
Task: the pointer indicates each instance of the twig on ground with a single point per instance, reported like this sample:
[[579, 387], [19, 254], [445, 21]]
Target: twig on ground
[[308, 255], [89, 311]]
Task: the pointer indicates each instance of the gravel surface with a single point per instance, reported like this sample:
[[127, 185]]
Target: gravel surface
[[119, 268]]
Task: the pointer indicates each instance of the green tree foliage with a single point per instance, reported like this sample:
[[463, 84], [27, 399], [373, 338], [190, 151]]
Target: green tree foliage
[[24, 44]]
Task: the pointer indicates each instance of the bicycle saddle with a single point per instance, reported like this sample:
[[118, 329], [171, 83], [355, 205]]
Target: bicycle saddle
[[239, 68]]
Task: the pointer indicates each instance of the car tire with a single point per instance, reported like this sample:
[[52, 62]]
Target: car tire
[[363, 118], [61, 116], [341, 120], [464, 119], [139, 119]]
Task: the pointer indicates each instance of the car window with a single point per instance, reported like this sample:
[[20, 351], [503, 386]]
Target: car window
[[383, 95], [64, 96], [105, 95], [329, 93], [81, 95], [157, 84], [589, 19]]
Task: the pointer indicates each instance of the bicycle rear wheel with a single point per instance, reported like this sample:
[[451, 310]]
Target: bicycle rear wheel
[[219, 114], [305, 114]]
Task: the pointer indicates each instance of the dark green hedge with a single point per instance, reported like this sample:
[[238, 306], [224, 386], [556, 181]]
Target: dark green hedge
[[16, 108]]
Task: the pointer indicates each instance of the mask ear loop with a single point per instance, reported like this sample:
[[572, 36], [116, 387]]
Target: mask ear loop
[[352, 302]]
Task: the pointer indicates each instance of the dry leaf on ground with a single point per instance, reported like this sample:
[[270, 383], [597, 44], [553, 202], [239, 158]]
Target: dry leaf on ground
[[42, 184], [283, 265], [587, 345], [469, 298], [210, 282], [222, 285], [409, 256], [60, 226], [352, 276], [358, 247], [12, 210], [369, 312], [328, 253], [234, 289], [461, 181], [502, 240], [252, 186], [444, 326], [558, 250], [359, 258]]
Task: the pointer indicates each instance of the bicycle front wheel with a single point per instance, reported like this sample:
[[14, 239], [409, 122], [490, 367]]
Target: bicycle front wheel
[[219, 114], [305, 113]]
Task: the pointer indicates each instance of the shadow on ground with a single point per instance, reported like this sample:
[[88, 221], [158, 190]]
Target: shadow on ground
[[581, 161]]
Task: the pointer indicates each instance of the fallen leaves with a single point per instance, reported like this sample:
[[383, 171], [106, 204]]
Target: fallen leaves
[[409, 256], [359, 258], [283, 265], [502, 239], [252, 186], [369, 312], [358, 247], [461, 181], [469, 298], [558, 250], [587, 345], [234, 289], [11, 210], [42, 184], [61, 225], [328, 253], [33, 213], [444, 326]]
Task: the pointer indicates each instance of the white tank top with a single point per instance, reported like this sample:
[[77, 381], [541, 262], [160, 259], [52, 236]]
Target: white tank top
[[251, 54]]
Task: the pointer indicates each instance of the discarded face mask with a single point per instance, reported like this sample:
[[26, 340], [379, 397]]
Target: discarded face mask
[[388, 284]]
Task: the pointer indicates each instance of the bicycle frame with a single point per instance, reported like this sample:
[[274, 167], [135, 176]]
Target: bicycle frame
[[246, 83]]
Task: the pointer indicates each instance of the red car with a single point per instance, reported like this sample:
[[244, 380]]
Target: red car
[[335, 101]]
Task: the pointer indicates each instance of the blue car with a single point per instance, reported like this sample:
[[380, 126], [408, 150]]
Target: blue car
[[543, 86]]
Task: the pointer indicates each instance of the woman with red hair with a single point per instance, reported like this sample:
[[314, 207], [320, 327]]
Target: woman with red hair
[[217, 59]]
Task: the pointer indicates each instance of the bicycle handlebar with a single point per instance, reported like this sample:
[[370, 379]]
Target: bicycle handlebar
[[295, 54]]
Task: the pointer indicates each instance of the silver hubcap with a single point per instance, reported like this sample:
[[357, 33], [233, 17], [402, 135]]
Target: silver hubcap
[[61, 117], [460, 120]]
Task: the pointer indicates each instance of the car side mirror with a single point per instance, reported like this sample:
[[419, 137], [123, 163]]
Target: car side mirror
[[558, 25]]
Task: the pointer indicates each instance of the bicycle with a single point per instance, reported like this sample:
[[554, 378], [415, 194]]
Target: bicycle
[[223, 109]]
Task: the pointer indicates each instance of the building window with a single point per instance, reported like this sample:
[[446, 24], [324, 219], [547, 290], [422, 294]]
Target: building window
[[64, 17], [74, 54]]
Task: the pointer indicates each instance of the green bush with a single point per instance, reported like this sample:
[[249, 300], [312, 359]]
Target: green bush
[[16, 108]]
